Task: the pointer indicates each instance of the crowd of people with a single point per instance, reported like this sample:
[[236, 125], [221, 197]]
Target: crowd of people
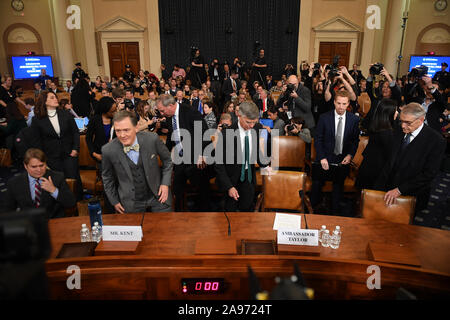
[[324, 104]]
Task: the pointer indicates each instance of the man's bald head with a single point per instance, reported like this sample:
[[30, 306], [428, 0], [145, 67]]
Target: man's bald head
[[293, 80]]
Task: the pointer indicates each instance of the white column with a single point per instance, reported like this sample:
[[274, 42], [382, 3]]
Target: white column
[[153, 37], [63, 39], [88, 28], [304, 32], [393, 36]]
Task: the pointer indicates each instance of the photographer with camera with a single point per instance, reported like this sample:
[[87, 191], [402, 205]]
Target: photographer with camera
[[198, 72], [297, 98], [259, 68], [386, 88], [337, 78], [434, 103], [296, 127], [130, 101]]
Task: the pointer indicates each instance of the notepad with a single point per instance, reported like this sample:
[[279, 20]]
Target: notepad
[[287, 221]]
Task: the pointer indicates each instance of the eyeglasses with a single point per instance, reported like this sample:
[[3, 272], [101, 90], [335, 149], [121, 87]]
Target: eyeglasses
[[408, 123]]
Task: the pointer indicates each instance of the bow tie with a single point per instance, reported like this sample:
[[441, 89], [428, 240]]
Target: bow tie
[[135, 147]]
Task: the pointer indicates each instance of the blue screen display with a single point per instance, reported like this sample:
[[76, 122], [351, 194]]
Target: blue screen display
[[29, 67], [432, 62]]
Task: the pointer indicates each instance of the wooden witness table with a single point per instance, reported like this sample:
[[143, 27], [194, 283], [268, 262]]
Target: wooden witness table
[[167, 254]]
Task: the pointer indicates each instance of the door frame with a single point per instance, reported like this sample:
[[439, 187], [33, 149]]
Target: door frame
[[338, 29], [120, 29]]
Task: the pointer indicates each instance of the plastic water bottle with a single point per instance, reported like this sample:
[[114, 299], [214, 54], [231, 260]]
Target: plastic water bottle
[[95, 211], [85, 234], [99, 228], [95, 233], [326, 238], [335, 240], [324, 227]]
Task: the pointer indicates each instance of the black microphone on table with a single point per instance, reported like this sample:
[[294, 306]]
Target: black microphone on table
[[302, 197], [229, 224]]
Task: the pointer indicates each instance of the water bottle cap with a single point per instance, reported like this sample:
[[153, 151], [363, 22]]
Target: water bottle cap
[[338, 228], [324, 226], [83, 225], [95, 223]]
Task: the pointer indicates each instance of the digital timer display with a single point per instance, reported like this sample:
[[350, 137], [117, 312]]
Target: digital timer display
[[202, 285]]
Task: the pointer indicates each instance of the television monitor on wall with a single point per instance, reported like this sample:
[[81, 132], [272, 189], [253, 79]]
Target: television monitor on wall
[[432, 62], [29, 67]]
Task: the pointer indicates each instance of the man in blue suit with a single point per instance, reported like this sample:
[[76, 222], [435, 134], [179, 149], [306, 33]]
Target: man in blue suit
[[336, 141]]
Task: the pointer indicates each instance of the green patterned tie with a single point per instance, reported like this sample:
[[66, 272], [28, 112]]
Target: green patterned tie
[[247, 162]]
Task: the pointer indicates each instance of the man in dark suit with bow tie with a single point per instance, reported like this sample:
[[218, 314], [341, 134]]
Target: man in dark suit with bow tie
[[132, 178], [336, 142], [38, 187], [415, 159]]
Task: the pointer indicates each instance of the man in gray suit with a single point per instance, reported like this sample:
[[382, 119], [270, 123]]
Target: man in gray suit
[[132, 178], [298, 102]]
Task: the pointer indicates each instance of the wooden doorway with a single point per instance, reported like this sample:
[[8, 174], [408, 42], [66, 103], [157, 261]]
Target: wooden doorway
[[121, 54], [328, 50]]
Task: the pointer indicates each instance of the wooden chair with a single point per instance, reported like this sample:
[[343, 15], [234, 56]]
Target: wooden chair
[[72, 183], [364, 104], [90, 178], [284, 190], [63, 95], [373, 207], [288, 152]]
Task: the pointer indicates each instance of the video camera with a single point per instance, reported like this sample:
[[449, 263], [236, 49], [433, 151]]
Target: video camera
[[193, 50], [419, 72], [376, 68], [334, 67]]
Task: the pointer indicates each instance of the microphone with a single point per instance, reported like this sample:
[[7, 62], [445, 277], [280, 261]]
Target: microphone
[[229, 224]]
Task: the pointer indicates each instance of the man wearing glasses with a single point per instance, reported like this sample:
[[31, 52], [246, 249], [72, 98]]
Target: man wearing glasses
[[415, 160]]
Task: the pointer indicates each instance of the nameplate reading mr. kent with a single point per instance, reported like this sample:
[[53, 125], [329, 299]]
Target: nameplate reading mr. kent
[[122, 233], [299, 237]]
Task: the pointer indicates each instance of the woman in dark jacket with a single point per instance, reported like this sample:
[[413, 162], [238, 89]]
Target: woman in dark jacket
[[82, 98], [56, 133], [100, 128], [378, 148]]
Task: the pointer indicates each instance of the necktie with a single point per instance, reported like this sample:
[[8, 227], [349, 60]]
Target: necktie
[[37, 193], [264, 105], [135, 147], [406, 141], [200, 107], [247, 162], [338, 143], [177, 137], [234, 84]]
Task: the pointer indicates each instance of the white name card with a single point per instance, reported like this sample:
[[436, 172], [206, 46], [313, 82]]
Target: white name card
[[298, 237], [287, 221], [122, 233]]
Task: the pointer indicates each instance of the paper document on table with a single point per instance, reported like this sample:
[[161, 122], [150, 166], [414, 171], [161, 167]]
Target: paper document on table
[[287, 221]]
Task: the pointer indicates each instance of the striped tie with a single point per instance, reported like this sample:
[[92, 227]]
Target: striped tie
[[37, 193]]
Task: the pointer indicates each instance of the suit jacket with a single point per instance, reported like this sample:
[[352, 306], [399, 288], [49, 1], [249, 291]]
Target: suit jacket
[[228, 174], [18, 195], [301, 106], [418, 165], [117, 176], [227, 88], [325, 139], [269, 104], [187, 118], [95, 135], [435, 111], [47, 140]]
